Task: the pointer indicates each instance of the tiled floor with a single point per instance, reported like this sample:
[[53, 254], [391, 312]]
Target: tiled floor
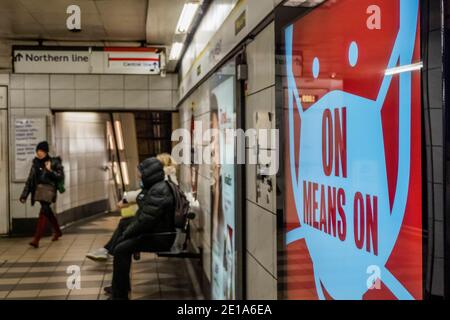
[[28, 273]]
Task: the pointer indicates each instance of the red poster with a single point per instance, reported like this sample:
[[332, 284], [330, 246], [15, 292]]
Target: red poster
[[353, 161]]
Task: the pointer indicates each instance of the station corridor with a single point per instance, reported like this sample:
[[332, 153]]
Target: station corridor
[[30, 274]]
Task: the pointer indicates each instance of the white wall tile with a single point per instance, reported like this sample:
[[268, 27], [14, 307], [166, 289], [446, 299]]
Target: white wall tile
[[136, 99], [62, 81], [38, 112], [112, 99], [262, 236], [17, 81], [87, 99], [62, 99], [136, 82], [109, 82], [4, 79], [87, 82], [261, 60], [19, 112], [17, 98], [161, 100], [160, 83], [37, 98], [263, 101], [260, 284], [174, 81], [175, 97], [31, 211], [37, 81], [16, 190], [18, 210]]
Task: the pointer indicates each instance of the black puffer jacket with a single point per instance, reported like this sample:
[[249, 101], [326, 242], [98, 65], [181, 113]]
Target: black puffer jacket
[[39, 175], [156, 203]]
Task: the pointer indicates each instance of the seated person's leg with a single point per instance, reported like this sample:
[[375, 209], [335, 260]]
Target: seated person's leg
[[122, 259], [121, 268], [101, 254]]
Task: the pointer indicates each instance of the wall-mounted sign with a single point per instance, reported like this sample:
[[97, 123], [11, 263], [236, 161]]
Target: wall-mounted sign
[[131, 60], [51, 61], [353, 202], [28, 132], [98, 60], [240, 23]]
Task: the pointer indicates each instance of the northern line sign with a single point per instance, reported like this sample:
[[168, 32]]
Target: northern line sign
[[117, 60]]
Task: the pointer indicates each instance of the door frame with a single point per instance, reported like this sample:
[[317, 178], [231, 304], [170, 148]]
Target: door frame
[[5, 221]]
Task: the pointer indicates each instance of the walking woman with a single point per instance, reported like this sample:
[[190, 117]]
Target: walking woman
[[42, 185]]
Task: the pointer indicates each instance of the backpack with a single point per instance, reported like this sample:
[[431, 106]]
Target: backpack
[[57, 166], [182, 206]]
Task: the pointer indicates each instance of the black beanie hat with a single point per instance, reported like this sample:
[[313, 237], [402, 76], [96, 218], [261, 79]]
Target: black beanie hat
[[43, 146]]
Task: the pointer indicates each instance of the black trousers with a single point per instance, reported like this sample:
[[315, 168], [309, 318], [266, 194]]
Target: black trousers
[[122, 259], [46, 209], [123, 224]]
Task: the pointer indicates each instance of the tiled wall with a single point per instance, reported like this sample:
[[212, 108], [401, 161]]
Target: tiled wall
[[93, 92], [261, 254], [80, 139], [432, 84], [40, 94]]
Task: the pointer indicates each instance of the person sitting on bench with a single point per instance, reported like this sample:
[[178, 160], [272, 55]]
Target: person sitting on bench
[[104, 253], [152, 229]]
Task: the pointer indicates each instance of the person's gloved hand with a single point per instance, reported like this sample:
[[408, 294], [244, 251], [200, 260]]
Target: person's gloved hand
[[23, 200]]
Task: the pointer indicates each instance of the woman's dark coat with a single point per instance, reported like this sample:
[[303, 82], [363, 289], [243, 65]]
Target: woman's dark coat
[[156, 203], [39, 175]]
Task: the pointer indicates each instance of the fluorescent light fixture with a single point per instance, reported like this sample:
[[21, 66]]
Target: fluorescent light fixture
[[176, 50], [119, 135], [116, 172], [126, 178], [110, 134], [403, 69], [186, 17]]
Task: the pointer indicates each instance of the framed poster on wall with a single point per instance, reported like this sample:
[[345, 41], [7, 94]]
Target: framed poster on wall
[[353, 169], [27, 133], [223, 188]]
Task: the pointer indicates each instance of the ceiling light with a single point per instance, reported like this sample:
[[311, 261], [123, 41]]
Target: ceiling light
[[186, 17], [175, 52]]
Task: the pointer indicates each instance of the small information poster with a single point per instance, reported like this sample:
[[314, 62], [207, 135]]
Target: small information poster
[[28, 132]]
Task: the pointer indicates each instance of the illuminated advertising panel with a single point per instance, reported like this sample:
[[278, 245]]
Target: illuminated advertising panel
[[353, 202], [223, 185]]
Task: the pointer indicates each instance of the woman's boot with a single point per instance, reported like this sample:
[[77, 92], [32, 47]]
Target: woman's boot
[[40, 228], [56, 229]]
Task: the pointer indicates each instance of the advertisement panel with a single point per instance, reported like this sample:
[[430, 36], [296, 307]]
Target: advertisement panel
[[352, 105], [223, 189]]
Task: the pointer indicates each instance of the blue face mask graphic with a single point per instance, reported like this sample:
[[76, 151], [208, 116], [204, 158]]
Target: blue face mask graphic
[[340, 261]]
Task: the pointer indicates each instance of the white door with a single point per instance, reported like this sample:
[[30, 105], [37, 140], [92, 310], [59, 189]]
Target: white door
[[4, 208]]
